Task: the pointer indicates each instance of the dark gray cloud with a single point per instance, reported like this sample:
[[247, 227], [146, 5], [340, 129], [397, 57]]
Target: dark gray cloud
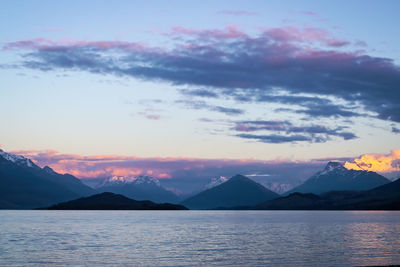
[[279, 139], [199, 92], [312, 106], [230, 62], [289, 133]]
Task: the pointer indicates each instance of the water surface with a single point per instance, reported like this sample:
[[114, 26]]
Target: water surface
[[192, 238]]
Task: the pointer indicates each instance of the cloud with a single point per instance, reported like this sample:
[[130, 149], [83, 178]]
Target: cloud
[[231, 63], [199, 92], [153, 116], [309, 13], [290, 34], [377, 162], [203, 105], [312, 106], [289, 133], [151, 113], [200, 119], [279, 139], [238, 13], [229, 32]]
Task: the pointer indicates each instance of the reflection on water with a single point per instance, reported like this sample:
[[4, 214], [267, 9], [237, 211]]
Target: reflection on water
[[191, 238]]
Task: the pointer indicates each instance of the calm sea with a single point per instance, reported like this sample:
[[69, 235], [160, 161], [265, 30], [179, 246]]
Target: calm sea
[[193, 238]]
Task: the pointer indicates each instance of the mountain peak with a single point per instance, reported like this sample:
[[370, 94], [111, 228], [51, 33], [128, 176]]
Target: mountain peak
[[144, 179], [215, 181], [237, 191], [20, 160], [336, 177], [239, 177], [333, 165]]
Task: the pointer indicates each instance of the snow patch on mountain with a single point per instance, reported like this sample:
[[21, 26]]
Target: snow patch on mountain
[[215, 181], [114, 181], [278, 187], [121, 180], [147, 180], [20, 160], [331, 167]]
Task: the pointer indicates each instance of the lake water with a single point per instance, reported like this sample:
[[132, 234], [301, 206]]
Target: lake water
[[193, 238]]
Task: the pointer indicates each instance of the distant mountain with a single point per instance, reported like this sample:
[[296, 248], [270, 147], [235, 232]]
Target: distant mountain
[[111, 201], [237, 191], [215, 181], [385, 197], [336, 177], [23, 184], [140, 188], [279, 188], [114, 181]]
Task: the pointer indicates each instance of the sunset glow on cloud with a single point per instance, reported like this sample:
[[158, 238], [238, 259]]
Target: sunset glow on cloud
[[376, 162]]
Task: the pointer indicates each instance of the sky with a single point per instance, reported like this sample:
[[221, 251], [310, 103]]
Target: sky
[[210, 83]]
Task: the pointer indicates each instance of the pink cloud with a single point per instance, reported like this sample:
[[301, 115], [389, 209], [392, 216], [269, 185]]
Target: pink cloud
[[46, 44], [304, 35]]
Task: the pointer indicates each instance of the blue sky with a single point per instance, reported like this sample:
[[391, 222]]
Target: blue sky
[[267, 80]]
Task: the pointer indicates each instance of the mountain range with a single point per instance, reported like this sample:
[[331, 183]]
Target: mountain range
[[24, 185]]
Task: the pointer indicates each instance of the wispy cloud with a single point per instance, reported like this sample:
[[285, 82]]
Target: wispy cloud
[[238, 12], [195, 104], [308, 12]]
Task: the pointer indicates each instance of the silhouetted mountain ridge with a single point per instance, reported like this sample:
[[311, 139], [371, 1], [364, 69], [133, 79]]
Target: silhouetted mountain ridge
[[384, 197], [111, 201], [237, 191]]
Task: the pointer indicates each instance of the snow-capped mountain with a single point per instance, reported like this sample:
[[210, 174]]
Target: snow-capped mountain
[[215, 181], [146, 180], [122, 180], [20, 160], [23, 184], [115, 181], [336, 177], [331, 167], [142, 187]]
